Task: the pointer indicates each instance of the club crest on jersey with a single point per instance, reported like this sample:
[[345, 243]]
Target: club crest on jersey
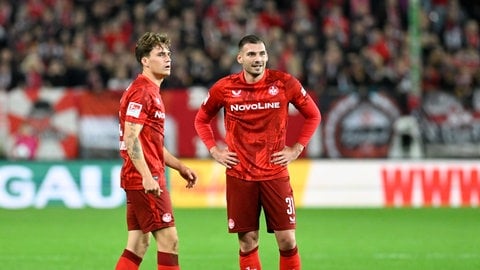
[[236, 93], [134, 109], [273, 90]]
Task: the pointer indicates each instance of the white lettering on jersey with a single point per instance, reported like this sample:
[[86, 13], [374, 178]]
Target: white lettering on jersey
[[160, 115], [255, 106], [134, 109]]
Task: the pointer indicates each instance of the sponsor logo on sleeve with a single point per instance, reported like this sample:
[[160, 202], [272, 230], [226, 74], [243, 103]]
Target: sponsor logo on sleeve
[[134, 109]]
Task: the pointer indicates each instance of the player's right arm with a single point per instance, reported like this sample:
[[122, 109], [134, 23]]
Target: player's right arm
[[209, 109], [204, 131], [135, 152]]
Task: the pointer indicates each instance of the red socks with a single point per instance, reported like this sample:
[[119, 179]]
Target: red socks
[[167, 261], [290, 259], [250, 260], [128, 261]]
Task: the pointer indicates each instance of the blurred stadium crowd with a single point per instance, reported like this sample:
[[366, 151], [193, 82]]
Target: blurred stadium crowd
[[334, 47]]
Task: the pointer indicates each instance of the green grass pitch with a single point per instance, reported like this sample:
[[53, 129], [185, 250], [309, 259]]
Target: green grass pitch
[[428, 238]]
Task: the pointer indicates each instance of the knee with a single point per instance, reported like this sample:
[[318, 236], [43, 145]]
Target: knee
[[286, 243], [174, 243], [143, 245], [286, 240], [167, 240], [139, 247], [248, 241]]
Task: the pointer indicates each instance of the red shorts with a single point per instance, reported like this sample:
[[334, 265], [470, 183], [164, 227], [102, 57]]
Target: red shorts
[[245, 200], [147, 212]]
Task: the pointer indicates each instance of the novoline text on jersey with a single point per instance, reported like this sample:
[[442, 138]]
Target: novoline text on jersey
[[255, 106]]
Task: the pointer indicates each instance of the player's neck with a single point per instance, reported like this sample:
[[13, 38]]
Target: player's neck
[[251, 78], [155, 79]]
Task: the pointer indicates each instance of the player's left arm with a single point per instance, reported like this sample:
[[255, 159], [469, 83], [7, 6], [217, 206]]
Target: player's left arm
[[187, 173], [309, 109], [304, 103]]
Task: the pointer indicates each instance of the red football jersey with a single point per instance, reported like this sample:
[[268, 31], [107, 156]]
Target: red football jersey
[[142, 103], [256, 117]]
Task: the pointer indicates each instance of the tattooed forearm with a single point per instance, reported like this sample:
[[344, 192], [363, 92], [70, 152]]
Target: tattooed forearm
[[134, 148]]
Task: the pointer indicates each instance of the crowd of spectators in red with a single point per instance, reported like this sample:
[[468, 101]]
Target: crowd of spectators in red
[[332, 46]]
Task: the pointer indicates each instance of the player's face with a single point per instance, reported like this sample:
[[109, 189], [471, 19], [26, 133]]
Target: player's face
[[159, 62], [253, 57]]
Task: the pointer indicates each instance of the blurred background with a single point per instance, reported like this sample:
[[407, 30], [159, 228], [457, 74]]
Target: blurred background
[[395, 80], [392, 78]]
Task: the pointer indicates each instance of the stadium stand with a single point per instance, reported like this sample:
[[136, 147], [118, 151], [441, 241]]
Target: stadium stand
[[336, 48]]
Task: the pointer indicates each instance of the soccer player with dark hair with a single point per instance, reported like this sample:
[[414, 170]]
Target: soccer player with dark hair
[[255, 103], [142, 120]]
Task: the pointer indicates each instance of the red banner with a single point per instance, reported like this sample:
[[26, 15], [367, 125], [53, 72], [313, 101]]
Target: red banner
[[70, 123]]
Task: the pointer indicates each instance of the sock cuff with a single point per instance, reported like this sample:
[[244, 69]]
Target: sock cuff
[[167, 259], [289, 253], [131, 256], [248, 253]]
